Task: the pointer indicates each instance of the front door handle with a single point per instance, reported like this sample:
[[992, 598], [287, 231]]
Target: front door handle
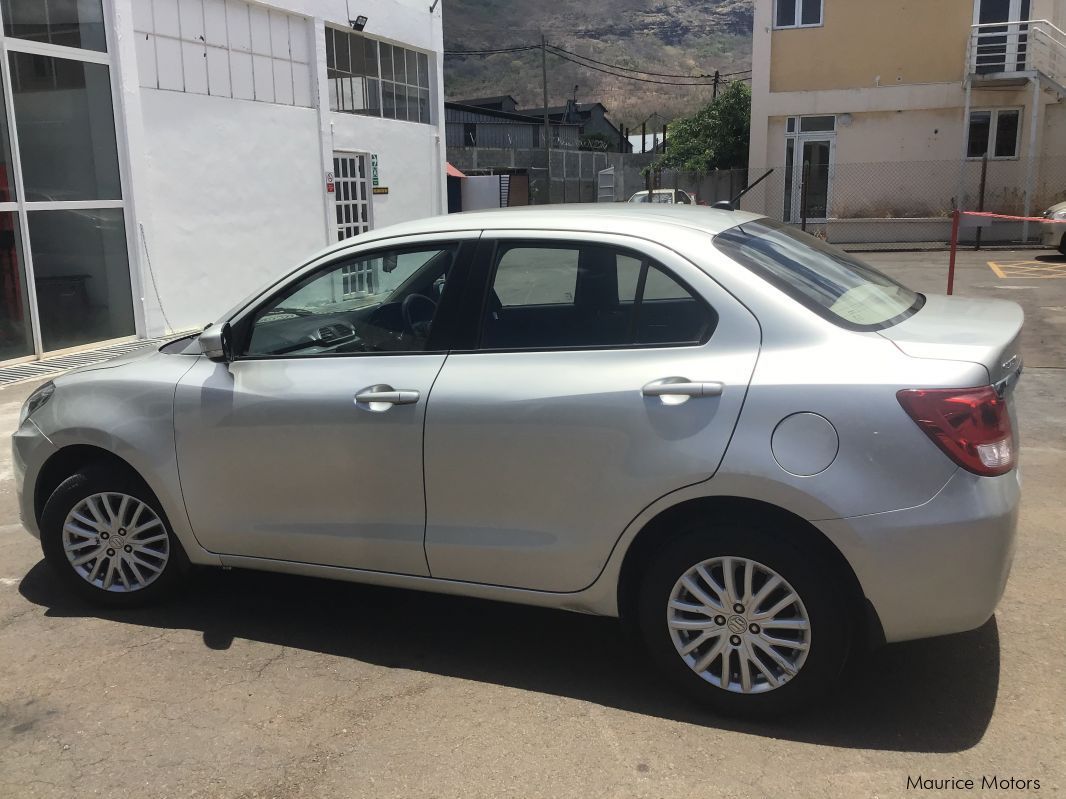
[[381, 398], [680, 387]]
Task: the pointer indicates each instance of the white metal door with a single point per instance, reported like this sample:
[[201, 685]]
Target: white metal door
[[352, 194]]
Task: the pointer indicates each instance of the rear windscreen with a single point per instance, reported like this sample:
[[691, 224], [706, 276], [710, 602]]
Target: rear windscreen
[[834, 284]]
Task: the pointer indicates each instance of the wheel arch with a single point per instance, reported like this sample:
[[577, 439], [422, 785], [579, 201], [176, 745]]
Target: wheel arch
[[665, 526], [71, 459]]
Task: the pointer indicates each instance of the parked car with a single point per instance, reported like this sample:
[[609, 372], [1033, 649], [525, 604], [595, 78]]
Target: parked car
[[664, 196], [754, 448], [1054, 234]]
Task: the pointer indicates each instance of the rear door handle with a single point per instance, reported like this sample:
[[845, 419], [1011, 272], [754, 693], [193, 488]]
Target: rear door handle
[[387, 396], [680, 387]]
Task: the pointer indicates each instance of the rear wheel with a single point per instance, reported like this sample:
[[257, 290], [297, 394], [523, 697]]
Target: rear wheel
[[1062, 244], [104, 535], [743, 621]]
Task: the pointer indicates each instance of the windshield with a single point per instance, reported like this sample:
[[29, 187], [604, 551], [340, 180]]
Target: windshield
[[834, 284]]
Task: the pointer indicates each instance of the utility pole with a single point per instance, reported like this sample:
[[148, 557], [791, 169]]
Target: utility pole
[[717, 80], [547, 126], [644, 136]]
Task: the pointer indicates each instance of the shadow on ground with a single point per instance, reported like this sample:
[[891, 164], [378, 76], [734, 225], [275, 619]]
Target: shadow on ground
[[926, 696]]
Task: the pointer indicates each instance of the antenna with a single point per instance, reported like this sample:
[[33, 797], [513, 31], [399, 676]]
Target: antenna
[[731, 205]]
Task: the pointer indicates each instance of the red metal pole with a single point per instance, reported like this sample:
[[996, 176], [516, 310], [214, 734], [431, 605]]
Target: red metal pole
[[954, 247]]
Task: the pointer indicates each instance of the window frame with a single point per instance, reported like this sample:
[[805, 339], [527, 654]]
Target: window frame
[[798, 5], [993, 133], [398, 88], [445, 325], [487, 258]]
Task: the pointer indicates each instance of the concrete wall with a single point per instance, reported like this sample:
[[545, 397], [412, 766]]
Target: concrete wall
[[874, 43]]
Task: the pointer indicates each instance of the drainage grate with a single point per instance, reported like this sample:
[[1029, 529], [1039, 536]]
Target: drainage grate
[[53, 366]]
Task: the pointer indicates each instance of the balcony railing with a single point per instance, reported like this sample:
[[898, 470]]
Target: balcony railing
[[1000, 50]]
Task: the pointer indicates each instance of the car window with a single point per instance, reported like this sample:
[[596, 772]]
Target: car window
[[381, 302], [838, 286], [551, 296]]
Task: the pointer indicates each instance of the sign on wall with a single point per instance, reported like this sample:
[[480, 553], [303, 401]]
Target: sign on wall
[[374, 170]]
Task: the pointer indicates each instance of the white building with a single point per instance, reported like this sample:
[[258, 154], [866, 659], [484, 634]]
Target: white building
[[161, 159]]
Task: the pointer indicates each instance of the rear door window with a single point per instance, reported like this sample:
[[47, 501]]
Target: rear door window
[[834, 284], [580, 296]]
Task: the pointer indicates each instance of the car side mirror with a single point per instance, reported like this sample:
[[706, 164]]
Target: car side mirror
[[214, 343]]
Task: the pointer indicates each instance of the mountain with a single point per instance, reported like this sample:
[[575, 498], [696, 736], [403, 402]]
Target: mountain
[[683, 37]]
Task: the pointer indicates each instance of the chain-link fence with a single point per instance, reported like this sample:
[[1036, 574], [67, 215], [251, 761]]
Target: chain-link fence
[[884, 205], [905, 205]]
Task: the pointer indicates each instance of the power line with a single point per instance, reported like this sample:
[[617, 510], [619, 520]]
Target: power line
[[625, 69], [493, 52], [628, 77]]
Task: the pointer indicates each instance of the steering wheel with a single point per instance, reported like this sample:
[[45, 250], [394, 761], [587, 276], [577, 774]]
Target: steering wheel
[[418, 311]]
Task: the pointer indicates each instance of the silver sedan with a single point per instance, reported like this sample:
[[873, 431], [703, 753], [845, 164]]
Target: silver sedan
[[753, 448]]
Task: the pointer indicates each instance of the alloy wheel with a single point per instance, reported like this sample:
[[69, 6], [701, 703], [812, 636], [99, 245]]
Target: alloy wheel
[[739, 625], [116, 542]]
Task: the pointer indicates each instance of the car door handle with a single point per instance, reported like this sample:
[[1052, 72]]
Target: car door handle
[[680, 387], [386, 395]]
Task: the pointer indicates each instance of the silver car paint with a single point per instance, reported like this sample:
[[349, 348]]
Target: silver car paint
[[536, 460], [886, 469]]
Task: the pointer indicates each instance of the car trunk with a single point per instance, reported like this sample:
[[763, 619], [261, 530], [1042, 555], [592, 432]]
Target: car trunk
[[964, 329]]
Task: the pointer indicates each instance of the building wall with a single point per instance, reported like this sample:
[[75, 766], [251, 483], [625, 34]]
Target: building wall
[[234, 198], [228, 168], [872, 43]]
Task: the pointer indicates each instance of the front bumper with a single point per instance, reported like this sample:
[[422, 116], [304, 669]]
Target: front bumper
[[30, 448], [938, 568], [1052, 234]]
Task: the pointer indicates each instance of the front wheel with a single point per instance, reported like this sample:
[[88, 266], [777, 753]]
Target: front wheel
[[743, 621], [107, 540]]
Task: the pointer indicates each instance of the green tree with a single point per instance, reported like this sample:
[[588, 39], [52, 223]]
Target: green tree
[[715, 137]]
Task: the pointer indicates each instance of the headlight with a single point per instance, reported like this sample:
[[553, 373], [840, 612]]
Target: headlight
[[36, 400]]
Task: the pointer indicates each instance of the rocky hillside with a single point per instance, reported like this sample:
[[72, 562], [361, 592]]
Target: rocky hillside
[[678, 37]]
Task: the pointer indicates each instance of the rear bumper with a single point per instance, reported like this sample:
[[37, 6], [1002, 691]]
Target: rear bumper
[[938, 568]]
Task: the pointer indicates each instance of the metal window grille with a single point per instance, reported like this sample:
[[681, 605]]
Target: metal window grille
[[352, 199]]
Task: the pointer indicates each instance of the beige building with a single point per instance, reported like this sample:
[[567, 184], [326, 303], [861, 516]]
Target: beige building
[[885, 109]]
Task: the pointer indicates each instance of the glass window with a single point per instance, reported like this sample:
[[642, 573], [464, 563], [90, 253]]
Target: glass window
[[7, 173], [578, 296], [399, 89], [811, 13], [794, 13], [786, 13], [836, 285], [1007, 124], [81, 276], [16, 340], [72, 23], [978, 137], [66, 128], [995, 132], [384, 302], [817, 124]]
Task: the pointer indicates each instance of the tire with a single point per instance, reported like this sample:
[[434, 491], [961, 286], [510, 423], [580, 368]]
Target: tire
[[821, 651], [148, 549], [1062, 244]]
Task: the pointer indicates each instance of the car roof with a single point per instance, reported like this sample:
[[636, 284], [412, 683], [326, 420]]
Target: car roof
[[620, 218]]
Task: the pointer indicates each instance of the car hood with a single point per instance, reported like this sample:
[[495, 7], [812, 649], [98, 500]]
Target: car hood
[[1056, 208]]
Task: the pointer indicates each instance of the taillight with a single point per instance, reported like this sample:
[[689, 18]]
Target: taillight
[[971, 425]]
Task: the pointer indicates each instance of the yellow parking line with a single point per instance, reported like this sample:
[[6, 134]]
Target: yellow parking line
[[1027, 270]]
